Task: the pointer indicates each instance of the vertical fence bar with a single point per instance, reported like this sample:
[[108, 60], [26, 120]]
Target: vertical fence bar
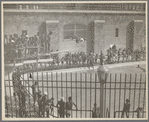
[[57, 86], [52, 82], [119, 95], [47, 83], [105, 100], [81, 93], [29, 95], [144, 96], [32, 92], [85, 95], [42, 84], [140, 89], [37, 80], [10, 94], [101, 99], [66, 87], [125, 88], [95, 89], [115, 92], [24, 83], [130, 86], [6, 101], [110, 96], [61, 84], [90, 93], [134, 95], [71, 92], [76, 91], [38, 88]]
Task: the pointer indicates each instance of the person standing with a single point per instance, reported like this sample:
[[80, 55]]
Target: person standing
[[19, 90], [69, 105], [101, 58], [61, 107], [96, 57], [119, 54], [95, 111], [45, 105], [35, 91], [126, 109]]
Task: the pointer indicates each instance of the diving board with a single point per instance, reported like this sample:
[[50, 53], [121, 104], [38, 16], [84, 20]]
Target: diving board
[[30, 61], [45, 60], [48, 54]]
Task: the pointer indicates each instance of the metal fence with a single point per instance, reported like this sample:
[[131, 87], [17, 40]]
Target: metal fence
[[84, 88]]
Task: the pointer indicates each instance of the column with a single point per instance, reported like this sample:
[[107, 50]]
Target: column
[[99, 36]]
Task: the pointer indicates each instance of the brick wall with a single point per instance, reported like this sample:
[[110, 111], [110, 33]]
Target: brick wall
[[15, 23]]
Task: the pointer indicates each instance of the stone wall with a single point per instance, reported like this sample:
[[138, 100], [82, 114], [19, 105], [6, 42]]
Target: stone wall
[[105, 35]]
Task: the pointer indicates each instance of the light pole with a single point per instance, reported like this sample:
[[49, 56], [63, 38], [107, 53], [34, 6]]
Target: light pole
[[103, 72]]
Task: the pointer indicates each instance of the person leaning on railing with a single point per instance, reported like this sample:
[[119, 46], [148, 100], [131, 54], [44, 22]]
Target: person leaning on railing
[[69, 105]]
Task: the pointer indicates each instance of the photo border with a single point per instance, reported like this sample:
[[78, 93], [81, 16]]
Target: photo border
[[64, 119]]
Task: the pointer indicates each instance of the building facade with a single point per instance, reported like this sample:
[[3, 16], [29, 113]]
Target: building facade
[[100, 25]]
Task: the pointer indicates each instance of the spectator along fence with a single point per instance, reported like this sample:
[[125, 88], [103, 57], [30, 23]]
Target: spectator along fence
[[84, 88], [20, 54]]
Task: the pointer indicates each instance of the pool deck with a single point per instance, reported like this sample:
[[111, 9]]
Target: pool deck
[[86, 69], [110, 66]]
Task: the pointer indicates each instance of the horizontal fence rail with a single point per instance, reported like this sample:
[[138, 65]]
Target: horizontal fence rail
[[84, 88]]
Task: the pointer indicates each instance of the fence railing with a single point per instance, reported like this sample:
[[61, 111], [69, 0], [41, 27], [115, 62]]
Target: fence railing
[[84, 88]]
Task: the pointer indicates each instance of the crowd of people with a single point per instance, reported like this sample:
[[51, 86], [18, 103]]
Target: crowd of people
[[18, 47], [14, 48], [45, 106], [113, 56]]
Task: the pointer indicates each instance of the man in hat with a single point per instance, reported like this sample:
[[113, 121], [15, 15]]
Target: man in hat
[[69, 105], [61, 107]]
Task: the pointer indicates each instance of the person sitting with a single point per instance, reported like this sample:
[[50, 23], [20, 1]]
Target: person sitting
[[139, 111]]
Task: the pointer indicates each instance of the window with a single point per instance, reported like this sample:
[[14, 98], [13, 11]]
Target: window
[[116, 32], [74, 31]]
